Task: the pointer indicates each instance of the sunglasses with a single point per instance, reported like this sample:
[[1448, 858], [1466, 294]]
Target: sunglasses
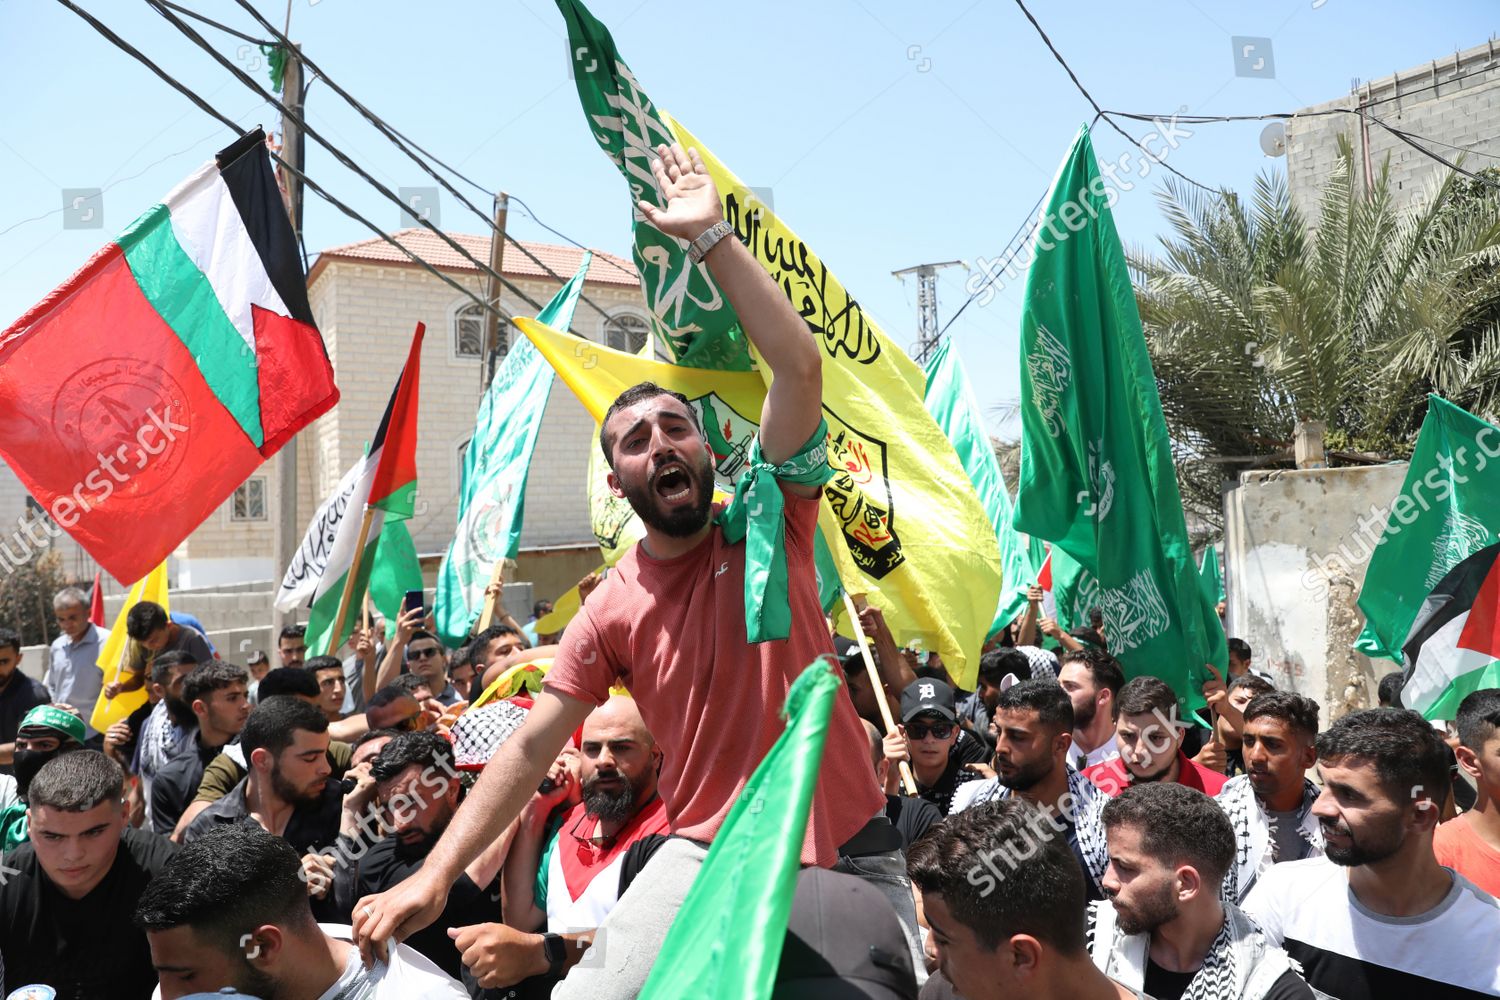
[[920, 730], [421, 654]]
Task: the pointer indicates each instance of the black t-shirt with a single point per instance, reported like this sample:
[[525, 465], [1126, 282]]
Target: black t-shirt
[[912, 818], [176, 784], [966, 750], [85, 948], [20, 695], [312, 826], [384, 868], [1164, 985]]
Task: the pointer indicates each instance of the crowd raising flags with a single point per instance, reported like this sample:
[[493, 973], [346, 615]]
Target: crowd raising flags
[[902, 524], [193, 357]]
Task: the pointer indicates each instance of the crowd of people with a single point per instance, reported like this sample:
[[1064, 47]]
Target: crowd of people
[[386, 825]]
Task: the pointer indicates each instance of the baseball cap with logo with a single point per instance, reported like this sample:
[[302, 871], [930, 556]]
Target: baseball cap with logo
[[926, 695]]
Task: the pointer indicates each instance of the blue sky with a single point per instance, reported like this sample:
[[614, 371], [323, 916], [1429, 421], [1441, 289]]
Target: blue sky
[[889, 133]]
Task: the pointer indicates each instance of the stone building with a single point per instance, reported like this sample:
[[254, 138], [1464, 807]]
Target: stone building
[[1450, 106]]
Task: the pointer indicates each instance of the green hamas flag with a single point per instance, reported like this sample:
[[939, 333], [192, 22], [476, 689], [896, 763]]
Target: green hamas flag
[[1097, 478], [1446, 511], [492, 491], [1210, 578], [690, 314], [950, 400], [725, 942]]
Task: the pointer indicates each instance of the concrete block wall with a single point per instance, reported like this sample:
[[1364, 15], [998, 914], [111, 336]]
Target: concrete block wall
[[1454, 100], [1296, 547]]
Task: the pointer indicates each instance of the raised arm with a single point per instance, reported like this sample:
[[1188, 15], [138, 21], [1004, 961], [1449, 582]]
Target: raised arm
[[794, 402], [504, 786]]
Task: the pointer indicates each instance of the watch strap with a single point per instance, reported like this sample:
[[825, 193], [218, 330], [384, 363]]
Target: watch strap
[[700, 247], [555, 951]]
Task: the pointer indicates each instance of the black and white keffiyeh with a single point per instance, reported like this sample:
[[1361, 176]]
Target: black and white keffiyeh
[[1254, 837], [1123, 958]]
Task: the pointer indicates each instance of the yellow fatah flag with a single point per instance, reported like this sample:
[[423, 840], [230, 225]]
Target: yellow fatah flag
[[941, 588], [151, 587], [911, 521]]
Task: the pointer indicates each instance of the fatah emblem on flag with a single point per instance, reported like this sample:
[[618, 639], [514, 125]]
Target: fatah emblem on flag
[[141, 392]]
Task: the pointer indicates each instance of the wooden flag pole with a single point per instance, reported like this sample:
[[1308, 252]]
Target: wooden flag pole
[[365, 611], [497, 579], [907, 781], [348, 594]]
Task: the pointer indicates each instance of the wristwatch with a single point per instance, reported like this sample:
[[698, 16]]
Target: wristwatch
[[700, 247], [555, 951]]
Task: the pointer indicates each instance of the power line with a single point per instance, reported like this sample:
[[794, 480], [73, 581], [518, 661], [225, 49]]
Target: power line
[[338, 154], [1099, 111], [317, 189], [400, 143], [222, 27]]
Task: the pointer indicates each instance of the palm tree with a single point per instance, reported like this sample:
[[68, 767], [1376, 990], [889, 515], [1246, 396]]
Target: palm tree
[[1257, 320]]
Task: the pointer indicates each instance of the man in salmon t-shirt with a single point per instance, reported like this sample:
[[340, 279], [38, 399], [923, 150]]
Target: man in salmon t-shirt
[[670, 623], [1470, 843]]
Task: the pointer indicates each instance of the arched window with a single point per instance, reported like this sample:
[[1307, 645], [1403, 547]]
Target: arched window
[[468, 331], [626, 332]]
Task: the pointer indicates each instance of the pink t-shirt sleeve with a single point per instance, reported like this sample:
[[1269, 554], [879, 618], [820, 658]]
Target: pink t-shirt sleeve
[[800, 518], [581, 669]]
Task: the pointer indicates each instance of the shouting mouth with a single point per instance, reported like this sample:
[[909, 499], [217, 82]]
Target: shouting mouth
[[672, 483]]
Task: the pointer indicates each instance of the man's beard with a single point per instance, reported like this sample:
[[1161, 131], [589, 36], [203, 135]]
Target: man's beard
[[1026, 776], [252, 982], [1153, 911], [290, 793], [1084, 717], [610, 806], [181, 713], [1366, 849], [423, 845], [683, 521]]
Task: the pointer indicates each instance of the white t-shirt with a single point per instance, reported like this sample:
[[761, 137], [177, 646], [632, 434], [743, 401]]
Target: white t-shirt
[[1348, 951], [408, 974]]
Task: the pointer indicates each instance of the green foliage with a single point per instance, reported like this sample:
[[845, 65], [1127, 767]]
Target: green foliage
[[26, 598], [1257, 319]]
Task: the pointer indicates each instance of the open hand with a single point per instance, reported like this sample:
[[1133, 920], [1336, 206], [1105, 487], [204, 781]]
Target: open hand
[[690, 200]]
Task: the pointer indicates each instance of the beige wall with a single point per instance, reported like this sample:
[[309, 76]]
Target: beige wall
[[366, 312]]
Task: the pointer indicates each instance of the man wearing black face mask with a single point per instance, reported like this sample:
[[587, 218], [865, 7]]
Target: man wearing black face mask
[[45, 733]]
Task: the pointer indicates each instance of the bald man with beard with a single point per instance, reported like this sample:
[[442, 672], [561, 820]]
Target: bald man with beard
[[562, 874]]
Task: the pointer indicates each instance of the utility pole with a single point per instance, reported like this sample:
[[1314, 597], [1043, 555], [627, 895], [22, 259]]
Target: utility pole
[[285, 529], [927, 308], [492, 292]]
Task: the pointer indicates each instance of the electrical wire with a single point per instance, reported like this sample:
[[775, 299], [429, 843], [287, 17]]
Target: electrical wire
[[289, 115], [400, 143], [1099, 111], [312, 185]]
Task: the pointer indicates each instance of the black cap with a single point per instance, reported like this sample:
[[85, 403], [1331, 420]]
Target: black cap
[[927, 695], [843, 942]]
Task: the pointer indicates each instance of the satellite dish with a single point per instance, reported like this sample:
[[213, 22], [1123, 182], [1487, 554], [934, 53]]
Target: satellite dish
[[1273, 139]]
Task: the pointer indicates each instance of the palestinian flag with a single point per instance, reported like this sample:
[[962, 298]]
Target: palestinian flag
[[385, 489], [140, 393], [1454, 647]]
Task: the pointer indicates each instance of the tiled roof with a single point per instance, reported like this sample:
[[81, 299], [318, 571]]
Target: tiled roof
[[606, 269]]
